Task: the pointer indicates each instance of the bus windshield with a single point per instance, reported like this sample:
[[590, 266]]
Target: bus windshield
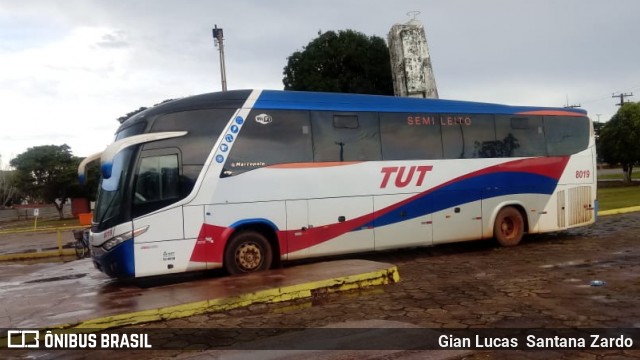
[[111, 191]]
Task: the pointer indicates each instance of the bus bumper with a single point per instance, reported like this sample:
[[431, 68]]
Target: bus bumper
[[118, 262]]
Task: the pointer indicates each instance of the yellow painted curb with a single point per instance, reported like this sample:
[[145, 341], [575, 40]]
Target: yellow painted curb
[[619, 211], [293, 292], [37, 254]]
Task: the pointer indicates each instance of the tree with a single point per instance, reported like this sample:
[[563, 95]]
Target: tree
[[346, 61], [8, 192], [124, 118], [47, 173], [619, 140], [597, 129]]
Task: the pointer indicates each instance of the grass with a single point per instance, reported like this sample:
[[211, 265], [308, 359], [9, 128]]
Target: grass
[[618, 197], [634, 175]]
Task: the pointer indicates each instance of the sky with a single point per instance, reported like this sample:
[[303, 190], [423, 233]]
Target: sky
[[70, 68]]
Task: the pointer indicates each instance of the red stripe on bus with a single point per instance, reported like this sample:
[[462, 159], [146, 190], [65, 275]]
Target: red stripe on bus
[[212, 238], [312, 165]]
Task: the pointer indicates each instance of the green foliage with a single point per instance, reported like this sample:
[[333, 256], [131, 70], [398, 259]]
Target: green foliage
[[49, 172], [124, 118], [619, 140], [346, 61]]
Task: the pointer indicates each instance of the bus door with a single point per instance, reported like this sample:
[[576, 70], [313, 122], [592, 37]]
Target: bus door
[[459, 222], [298, 238], [161, 248], [333, 226], [400, 227]]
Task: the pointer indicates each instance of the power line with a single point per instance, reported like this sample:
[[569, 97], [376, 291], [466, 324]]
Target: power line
[[604, 97]]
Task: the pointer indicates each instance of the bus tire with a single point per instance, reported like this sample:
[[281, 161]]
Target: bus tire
[[509, 226], [247, 251]]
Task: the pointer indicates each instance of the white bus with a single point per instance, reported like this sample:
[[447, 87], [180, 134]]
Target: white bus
[[246, 179]]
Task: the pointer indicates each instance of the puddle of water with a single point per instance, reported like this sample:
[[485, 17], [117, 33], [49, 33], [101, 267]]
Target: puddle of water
[[56, 278], [46, 260]]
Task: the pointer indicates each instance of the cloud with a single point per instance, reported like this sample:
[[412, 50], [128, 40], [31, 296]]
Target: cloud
[[115, 40]]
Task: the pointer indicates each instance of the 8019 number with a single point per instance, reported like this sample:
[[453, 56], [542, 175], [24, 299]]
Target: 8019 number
[[583, 174]]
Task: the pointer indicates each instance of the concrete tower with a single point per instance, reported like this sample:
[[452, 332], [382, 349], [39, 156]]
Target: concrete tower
[[410, 61]]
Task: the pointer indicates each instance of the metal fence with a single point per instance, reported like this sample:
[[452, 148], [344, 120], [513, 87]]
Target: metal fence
[[29, 243]]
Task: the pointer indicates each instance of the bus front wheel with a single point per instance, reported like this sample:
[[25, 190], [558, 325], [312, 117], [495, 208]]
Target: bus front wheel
[[509, 226], [248, 251]]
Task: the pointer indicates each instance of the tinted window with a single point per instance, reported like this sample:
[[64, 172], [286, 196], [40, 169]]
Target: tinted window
[[566, 135], [203, 127], [135, 129], [520, 136], [345, 122], [271, 137], [469, 136], [408, 136], [157, 183], [345, 137]]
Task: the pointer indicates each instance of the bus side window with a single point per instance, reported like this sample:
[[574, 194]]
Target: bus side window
[[270, 137], [520, 136], [410, 137], [345, 136], [467, 136], [157, 183], [566, 135]]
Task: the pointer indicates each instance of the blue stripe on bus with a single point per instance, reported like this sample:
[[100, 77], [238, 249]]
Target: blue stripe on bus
[[255, 221], [119, 262], [467, 191], [300, 100]]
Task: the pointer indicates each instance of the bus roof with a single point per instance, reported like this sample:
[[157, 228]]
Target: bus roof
[[301, 100]]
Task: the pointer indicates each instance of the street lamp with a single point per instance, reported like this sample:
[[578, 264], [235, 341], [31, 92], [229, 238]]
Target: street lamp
[[218, 40]]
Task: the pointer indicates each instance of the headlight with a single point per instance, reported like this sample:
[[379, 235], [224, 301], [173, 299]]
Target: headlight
[[111, 243]]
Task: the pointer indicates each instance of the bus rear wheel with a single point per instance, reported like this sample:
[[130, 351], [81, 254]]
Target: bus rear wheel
[[248, 251], [509, 226]]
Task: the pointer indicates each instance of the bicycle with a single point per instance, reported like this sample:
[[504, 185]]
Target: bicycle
[[82, 243]]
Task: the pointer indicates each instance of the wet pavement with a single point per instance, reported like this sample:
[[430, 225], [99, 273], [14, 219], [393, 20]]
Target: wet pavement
[[75, 295], [543, 283]]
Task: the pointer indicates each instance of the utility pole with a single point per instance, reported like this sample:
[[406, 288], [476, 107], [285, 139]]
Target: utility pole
[[621, 96], [218, 37]]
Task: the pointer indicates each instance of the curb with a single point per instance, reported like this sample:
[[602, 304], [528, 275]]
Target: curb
[[270, 296], [37, 254], [619, 211]]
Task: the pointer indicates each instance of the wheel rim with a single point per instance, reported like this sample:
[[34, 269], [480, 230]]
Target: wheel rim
[[508, 228], [249, 256]]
